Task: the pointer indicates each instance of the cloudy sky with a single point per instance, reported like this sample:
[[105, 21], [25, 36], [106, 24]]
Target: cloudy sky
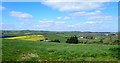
[[60, 16]]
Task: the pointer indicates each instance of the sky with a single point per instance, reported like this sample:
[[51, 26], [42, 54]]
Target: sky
[[60, 16]]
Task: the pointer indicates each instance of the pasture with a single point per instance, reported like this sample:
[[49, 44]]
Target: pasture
[[25, 50], [28, 47]]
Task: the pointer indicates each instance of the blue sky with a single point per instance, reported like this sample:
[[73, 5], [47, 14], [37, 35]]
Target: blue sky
[[60, 16]]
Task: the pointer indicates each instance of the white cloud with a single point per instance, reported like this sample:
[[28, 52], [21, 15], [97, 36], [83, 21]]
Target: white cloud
[[46, 23], [73, 6], [50, 25], [81, 0], [62, 26], [76, 26], [93, 26], [6, 26], [83, 24], [100, 18], [1, 25], [20, 14], [79, 14], [66, 17], [94, 16], [2, 8], [90, 22], [63, 18], [59, 18], [61, 0]]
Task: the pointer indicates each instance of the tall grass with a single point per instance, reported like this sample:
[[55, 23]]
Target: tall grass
[[21, 50]]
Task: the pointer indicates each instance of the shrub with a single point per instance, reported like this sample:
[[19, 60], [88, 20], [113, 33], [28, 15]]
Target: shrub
[[117, 42], [56, 40], [101, 41], [73, 40]]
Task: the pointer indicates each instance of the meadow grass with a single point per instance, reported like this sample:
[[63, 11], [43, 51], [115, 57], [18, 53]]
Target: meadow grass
[[53, 36], [25, 50]]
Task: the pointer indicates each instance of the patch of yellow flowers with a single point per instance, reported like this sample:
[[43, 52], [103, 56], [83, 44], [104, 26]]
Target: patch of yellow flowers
[[29, 37]]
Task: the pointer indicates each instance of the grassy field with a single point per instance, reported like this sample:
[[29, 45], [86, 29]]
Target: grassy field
[[53, 36], [25, 50]]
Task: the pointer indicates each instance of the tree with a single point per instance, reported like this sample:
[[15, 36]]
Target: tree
[[101, 41], [56, 40], [116, 42], [73, 40]]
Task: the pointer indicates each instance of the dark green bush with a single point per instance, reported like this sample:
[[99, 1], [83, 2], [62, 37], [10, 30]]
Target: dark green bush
[[56, 40], [73, 40]]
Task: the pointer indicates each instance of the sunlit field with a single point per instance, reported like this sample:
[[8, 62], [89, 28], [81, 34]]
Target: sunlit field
[[25, 50], [30, 37]]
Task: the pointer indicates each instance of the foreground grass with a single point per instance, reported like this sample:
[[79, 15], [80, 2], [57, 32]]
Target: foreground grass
[[21, 50]]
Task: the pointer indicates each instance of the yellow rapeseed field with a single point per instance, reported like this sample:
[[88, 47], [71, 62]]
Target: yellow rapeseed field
[[29, 37]]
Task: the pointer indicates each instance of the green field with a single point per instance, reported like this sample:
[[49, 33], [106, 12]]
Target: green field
[[53, 36], [21, 46], [25, 50]]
